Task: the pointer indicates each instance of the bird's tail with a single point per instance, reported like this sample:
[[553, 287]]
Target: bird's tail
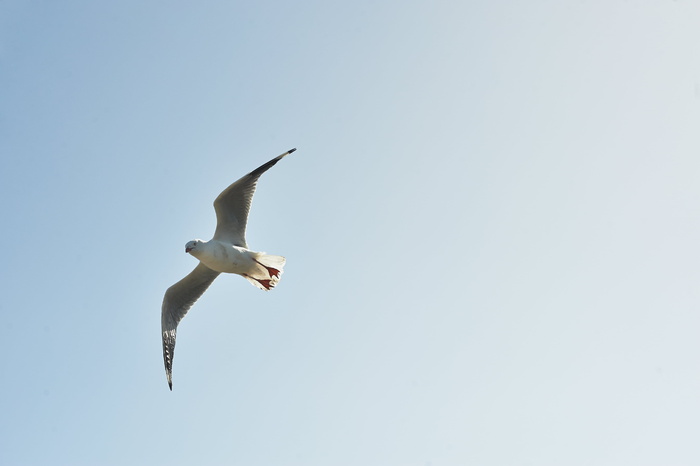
[[268, 273]]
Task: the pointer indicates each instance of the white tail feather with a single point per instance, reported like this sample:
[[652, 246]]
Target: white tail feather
[[268, 260], [269, 273]]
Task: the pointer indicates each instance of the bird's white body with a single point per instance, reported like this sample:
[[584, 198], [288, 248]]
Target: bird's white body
[[262, 270], [225, 257]]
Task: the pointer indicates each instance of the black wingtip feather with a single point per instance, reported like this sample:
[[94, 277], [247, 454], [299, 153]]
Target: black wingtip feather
[[266, 166]]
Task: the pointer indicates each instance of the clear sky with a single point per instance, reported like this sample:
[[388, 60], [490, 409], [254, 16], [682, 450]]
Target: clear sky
[[491, 227]]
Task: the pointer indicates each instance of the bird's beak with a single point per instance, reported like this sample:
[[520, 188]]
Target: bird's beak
[[188, 249]]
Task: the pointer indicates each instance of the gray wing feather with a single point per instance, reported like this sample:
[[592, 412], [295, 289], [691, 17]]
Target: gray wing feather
[[178, 299], [233, 204]]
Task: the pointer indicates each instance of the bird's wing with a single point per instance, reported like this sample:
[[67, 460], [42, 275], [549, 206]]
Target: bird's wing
[[233, 204], [178, 299]]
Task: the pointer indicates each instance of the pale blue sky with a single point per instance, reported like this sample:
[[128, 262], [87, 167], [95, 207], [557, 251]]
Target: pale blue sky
[[491, 226]]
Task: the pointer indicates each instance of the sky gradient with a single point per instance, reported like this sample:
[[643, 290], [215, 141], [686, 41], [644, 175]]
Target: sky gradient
[[491, 230]]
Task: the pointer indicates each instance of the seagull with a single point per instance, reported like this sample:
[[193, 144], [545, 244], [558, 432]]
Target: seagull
[[226, 252]]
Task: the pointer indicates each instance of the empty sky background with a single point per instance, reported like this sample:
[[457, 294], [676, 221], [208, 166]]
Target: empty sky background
[[491, 226]]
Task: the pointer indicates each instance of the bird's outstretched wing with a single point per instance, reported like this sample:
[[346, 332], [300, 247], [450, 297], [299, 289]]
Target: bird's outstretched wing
[[233, 204], [178, 299]]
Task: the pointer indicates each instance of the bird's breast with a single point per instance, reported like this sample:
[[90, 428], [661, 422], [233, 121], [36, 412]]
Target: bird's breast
[[226, 258]]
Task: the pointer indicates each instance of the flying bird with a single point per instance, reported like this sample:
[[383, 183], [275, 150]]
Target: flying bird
[[226, 252]]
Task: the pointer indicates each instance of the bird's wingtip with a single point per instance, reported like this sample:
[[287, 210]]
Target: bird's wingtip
[[291, 150], [170, 384]]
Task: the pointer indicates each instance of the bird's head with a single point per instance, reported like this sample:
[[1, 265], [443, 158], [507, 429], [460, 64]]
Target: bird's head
[[192, 245]]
